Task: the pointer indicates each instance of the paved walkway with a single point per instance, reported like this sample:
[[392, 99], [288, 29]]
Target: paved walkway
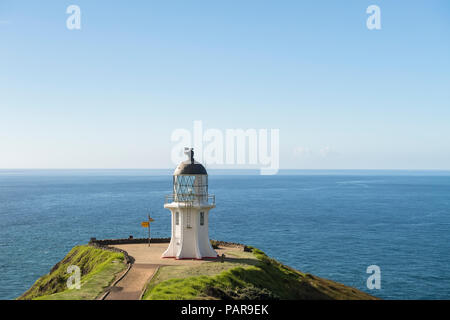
[[131, 286], [147, 259]]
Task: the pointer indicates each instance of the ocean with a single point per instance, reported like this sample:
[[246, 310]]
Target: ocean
[[333, 224]]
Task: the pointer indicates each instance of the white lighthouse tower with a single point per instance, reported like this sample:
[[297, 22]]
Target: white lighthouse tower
[[189, 205]]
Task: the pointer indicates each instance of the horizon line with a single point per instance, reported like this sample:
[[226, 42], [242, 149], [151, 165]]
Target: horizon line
[[225, 169]]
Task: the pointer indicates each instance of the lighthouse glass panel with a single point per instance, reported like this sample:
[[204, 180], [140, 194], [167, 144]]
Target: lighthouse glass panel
[[190, 188]]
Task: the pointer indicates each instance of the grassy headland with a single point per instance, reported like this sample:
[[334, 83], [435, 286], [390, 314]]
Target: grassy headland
[[98, 269], [252, 276], [243, 275]]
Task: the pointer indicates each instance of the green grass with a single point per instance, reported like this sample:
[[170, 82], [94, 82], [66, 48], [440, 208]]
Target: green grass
[[189, 274], [233, 259], [98, 269], [257, 278]]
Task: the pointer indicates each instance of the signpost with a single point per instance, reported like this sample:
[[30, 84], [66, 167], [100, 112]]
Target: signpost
[[146, 224]]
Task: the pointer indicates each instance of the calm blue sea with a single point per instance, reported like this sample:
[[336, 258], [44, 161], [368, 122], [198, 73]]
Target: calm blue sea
[[330, 223]]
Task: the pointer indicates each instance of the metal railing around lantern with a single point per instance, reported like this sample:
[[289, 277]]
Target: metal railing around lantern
[[191, 198]]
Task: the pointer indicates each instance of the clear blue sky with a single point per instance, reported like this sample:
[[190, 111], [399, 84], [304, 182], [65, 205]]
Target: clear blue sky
[[110, 95]]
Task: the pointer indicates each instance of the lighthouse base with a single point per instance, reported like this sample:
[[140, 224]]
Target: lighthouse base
[[190, 239], [189, 250], [204, 258]]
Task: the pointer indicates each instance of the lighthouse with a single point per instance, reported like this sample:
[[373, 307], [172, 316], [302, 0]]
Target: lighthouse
[[189, 205]]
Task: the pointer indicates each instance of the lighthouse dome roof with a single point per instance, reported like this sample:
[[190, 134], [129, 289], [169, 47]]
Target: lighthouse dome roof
[[190, 166]]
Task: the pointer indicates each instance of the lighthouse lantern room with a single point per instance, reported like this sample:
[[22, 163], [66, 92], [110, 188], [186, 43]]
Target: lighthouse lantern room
[[189, 205]]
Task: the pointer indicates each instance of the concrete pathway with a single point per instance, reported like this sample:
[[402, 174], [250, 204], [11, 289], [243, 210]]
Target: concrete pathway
[[147, 260], [130, 287]]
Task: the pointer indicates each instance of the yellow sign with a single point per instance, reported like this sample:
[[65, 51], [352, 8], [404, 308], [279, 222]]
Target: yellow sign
[[145, 224]]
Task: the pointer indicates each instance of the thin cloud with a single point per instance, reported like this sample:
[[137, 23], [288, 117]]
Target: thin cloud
[[327, 152]]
